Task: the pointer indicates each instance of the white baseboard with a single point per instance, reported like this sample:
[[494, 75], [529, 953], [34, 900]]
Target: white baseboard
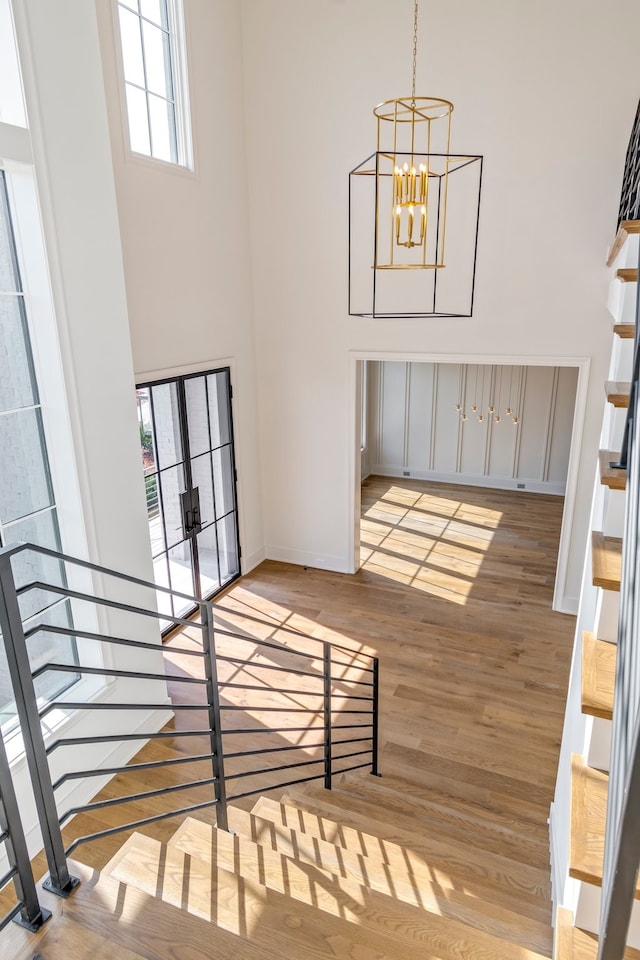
[[471, 480], [252, 561], [568, 605], [303, 559]]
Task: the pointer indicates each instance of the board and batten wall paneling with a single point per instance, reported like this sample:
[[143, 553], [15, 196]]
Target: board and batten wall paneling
[[414, 428]]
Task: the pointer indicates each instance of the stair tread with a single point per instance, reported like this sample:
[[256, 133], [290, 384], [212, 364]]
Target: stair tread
[[612, 477], [618, 392], [298, 897], [428, 856], [626, 331], [572, 943], [589, 789], [606, 555], [627, 274], [357, 873], [466, 827], [598, 676], [427, 861], [447, 807], [626, 229]]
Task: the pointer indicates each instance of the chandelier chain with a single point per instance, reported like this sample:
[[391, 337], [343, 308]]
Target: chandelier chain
[[415, 49]]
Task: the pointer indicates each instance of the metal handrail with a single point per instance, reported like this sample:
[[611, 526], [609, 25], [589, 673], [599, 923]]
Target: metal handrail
[[622, 832], [326, 731]]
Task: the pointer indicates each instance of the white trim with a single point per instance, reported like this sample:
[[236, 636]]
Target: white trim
[[15, 143], [304, 559], [583, 365], [252, 561], [519, 484]]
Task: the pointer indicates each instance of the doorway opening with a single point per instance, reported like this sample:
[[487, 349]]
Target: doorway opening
[[502, 424], [186, 438]]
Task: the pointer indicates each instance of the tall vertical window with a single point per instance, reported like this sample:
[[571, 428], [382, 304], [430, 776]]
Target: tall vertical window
[[153, 57], [27, 507]]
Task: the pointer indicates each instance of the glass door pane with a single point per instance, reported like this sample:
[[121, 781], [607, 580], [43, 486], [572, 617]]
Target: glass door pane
[[186, 436]]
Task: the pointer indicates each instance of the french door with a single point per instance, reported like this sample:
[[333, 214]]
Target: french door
[[186, 435]]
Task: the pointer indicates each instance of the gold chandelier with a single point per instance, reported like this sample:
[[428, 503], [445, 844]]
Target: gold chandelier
[[412, 172]]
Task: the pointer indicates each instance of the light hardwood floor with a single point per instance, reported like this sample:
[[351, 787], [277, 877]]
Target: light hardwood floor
[[454, 596]]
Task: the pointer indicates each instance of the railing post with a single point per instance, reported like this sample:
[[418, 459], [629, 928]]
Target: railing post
[[326, 675], [60, 881], [374, 719], [215, 731], [32, 915]]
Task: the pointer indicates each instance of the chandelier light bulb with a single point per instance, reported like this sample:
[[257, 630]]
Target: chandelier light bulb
[[463, 417], [498, 419], [515, 420]]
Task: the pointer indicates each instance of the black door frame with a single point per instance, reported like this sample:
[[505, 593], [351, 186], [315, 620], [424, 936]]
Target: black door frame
[[190, 535]]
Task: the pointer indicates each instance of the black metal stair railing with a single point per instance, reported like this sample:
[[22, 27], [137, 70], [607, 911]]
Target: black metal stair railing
[[27, 910], [226, 682], [622, 832]]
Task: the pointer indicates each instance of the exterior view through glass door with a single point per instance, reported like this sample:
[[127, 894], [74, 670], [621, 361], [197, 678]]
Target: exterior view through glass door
[[186, 434]]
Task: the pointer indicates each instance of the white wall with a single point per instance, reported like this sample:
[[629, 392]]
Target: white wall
[[546, 92], [414, 428], [185, 236]]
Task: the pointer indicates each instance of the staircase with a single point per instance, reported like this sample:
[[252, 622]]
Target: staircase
[[373, 869], [595, 694]]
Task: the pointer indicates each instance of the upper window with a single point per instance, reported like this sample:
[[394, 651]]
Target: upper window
[[152, 38]]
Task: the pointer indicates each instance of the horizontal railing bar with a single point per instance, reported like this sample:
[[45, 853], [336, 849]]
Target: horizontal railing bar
[[365, 713], [339, 726], [293, 693], [221, 611], [148, 765], [269, 666], [13, 872], [105, 638], [352, 683], [293, 746], [281, 648], [276, 786], [8, 917], [4, 836], [347, 756], [284, 766], [101, 834], [253, 706], [109, 672], [134, 797], [84, 705], [350, 696], [102, 601], [87, 565], [357, 766], [115, 737]]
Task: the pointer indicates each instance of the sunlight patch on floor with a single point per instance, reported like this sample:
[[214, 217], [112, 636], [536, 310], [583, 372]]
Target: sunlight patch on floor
[[433, 544]]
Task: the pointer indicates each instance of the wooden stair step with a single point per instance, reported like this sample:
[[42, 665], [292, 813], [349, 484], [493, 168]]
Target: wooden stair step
[[467, 780], [626, 331], [618, 392], [606, 557], [613, 477], [426, 860], [589, 789], [284, 902], [575, 944], [627, 274], [626, 229], [598, 676], [462, 827], [425, 823], [197, 837], [445, 803], [334, 820]]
